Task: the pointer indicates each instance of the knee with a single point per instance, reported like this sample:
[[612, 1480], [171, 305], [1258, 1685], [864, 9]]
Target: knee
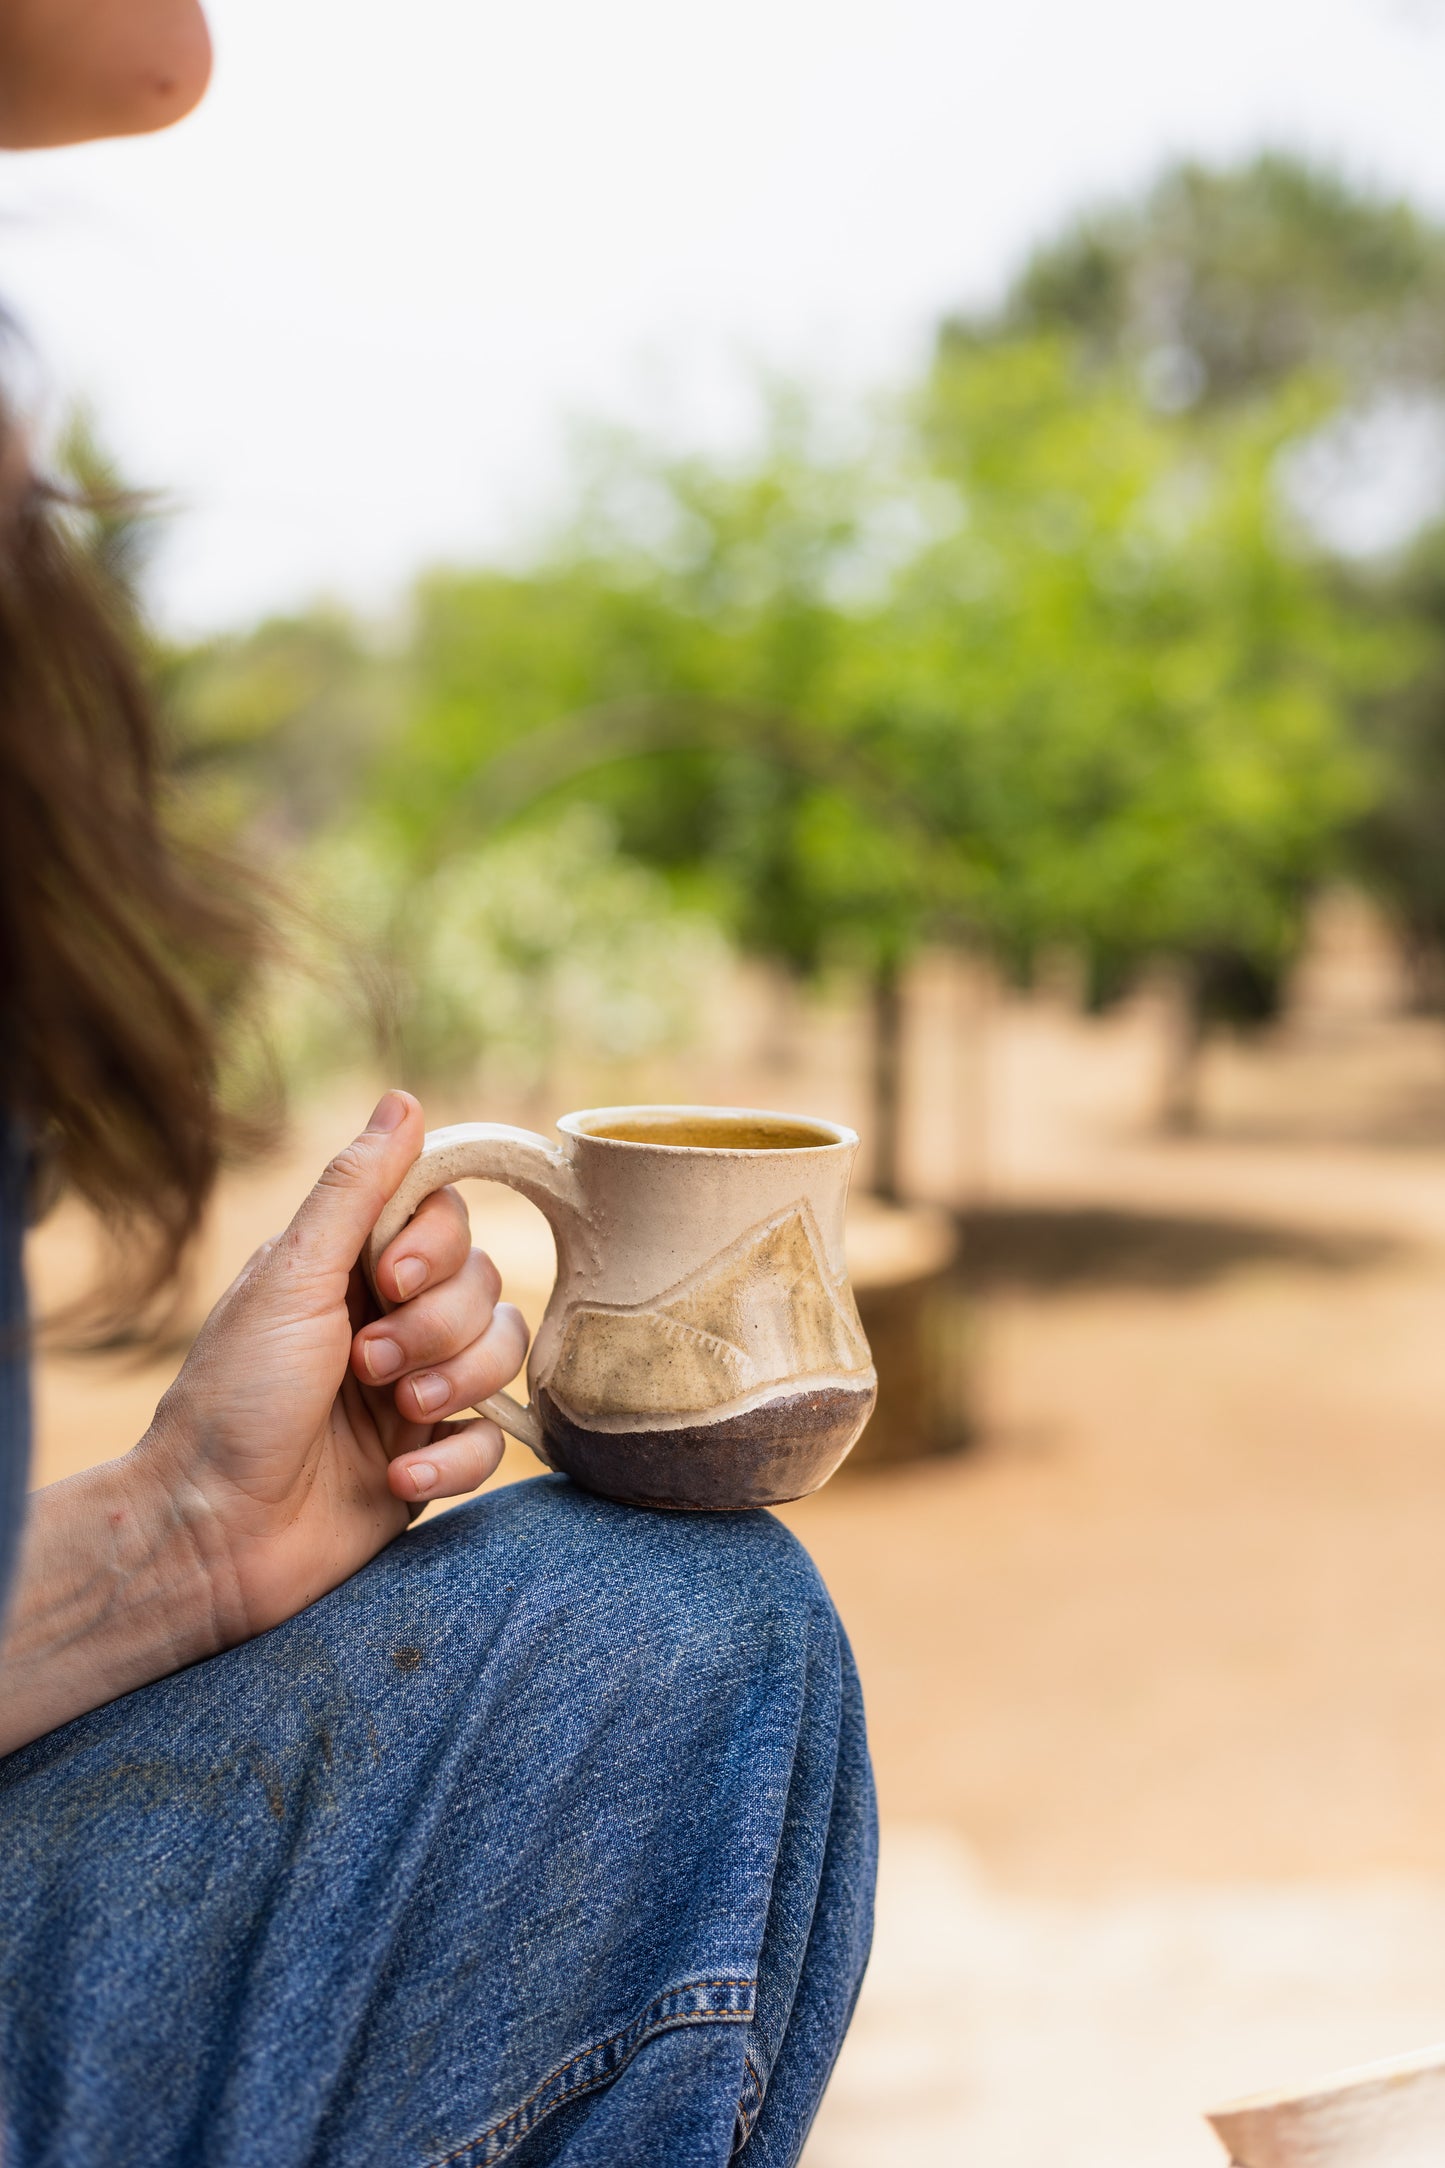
[[669, 1691], [718, 1575], [646, 1602]]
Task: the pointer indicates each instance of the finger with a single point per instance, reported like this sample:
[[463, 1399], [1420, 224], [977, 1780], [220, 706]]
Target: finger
[[432, 1328], [430, 1248], [448, 1467], [428, 1396], [334, 1221]]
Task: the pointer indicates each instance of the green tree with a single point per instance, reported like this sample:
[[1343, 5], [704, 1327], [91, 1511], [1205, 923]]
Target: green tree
[[1218, 288], [1148, 673], [1219, 283], [682, 658], [1402, 836], [278, 726], [1039, 667]]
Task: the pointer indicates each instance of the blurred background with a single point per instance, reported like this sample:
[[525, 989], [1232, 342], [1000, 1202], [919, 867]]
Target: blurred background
[[888, 561]]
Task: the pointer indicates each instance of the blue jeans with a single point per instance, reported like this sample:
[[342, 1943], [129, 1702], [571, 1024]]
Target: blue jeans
[[548, 1838]]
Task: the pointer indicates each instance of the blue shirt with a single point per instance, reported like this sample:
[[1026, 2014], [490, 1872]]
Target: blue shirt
[[14, 1353]]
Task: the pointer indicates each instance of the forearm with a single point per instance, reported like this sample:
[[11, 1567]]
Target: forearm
[[112, 1592]]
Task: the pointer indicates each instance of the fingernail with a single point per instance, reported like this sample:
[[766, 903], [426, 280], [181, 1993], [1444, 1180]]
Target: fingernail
[[388, 1113], [430, 1391], [383, 1357], [423, 1476], [408, 1273]]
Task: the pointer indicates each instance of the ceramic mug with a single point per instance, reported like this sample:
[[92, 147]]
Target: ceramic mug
[[701, 1348], [1382, 2115]]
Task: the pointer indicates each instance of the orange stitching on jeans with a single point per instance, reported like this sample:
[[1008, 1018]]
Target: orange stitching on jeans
[[693, 2017], [749, 2120], [638, 2025]]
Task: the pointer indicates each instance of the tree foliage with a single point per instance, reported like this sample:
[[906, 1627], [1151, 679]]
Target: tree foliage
[[1219, 283], [1032, 657], [1146, 670], [1219, 288], [1029, 665]]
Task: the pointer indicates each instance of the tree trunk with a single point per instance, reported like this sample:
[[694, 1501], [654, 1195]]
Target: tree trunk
[[778, 1038], [973, 1001], [1184, 1057], [887, 1003]]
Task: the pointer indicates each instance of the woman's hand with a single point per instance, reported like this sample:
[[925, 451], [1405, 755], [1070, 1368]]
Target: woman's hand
[[295, 1445], [300, 1436]]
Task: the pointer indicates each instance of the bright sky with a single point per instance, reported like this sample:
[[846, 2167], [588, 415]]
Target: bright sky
[[344, 313]]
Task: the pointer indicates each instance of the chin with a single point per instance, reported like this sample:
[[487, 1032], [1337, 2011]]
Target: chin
[[171, 84], [74, 71]]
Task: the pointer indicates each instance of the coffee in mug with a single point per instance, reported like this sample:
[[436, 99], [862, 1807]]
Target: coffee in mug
[[702, 1347]]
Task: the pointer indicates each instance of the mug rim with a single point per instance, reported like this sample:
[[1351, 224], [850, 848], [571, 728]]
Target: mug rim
[[832, 1136]]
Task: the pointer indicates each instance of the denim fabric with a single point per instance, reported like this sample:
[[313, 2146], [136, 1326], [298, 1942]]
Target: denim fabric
[[548, 1838], [14, 1383]]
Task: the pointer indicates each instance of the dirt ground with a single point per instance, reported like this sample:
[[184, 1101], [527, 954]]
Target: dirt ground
[[1156, 1671]]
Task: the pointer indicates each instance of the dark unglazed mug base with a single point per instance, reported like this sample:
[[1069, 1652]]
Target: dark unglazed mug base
[[763, 1457]]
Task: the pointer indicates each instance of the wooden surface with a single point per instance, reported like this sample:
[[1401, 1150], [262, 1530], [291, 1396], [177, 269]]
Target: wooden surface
[[917, 1319], [1385, 2115]]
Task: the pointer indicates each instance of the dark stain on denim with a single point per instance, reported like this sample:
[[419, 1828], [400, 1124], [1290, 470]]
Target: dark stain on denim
[[321, 1741], [408, 1659], [271, 1783]]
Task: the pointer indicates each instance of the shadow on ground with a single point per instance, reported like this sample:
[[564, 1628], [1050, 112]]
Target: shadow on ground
[[1046, 1247]]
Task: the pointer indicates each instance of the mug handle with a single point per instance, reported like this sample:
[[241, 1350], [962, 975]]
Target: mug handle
[[489, 1152]]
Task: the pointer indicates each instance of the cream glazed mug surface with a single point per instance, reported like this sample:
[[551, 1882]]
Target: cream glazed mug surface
[[701, 1348]]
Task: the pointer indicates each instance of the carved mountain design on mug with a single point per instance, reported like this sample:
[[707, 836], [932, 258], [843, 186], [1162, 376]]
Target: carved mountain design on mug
[[766, 1311]]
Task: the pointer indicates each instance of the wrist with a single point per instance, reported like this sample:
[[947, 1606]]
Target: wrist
[[112, 1592], [188, 1530]]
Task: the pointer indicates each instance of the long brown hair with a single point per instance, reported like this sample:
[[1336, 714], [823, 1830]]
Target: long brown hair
[[120, 944]]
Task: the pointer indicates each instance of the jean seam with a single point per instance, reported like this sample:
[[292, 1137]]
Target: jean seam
[[725, 2002], [750, 2101]]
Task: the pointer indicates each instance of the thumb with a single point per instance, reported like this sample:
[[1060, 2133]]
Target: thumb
[[333, 1223]]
